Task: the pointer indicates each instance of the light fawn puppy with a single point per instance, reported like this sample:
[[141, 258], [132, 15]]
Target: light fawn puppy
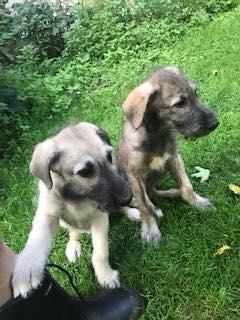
[[78, 186]]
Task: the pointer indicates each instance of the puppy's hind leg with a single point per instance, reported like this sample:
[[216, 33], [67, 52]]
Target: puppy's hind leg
[[73, 248], [173, 193]]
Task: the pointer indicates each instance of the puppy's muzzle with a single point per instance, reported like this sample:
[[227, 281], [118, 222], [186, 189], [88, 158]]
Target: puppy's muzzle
[[113, 191], [120, 191], [124, 201], [202, 122]]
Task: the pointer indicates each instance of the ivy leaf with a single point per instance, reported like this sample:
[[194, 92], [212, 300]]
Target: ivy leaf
[[202, 173]]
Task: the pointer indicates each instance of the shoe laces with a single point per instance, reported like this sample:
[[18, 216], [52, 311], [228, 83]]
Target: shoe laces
[[71, 299]]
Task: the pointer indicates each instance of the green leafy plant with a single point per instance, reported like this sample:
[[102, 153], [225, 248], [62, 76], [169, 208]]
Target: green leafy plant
[[35, 27], [56, 59]]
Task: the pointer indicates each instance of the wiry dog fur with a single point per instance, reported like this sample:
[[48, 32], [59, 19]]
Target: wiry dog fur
[[166, 103], [78, 184]]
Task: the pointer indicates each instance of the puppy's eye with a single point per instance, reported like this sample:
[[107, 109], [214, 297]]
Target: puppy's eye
[[180, 104], [87, 171], [109, 157]]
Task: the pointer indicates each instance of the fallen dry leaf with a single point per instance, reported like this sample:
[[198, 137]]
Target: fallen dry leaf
[[234, 188], [221, 250]]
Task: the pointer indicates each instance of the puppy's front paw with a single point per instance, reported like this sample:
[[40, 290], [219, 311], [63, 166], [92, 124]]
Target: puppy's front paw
[[203, 203], [151, 232], [109, 279], [73, 250], [27, 275]]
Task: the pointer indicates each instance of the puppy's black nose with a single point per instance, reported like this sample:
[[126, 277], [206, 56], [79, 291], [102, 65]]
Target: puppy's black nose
[[211, 121], [125, 201], [213, 125]]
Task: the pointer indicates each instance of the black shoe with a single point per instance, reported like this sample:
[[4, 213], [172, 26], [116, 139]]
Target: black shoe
[[119, 304], [50, 302]]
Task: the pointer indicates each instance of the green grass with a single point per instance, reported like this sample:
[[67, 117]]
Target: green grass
[[181, 279]]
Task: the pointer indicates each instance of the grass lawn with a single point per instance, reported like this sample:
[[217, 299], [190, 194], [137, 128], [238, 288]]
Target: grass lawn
[[182, 279]]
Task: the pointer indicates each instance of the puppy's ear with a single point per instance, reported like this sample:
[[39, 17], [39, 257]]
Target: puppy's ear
[[43, 157], [103, 135], [173, 69], [135, 105]]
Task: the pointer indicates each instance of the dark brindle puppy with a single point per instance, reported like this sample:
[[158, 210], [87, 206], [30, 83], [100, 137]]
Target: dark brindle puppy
[[166, 103]]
